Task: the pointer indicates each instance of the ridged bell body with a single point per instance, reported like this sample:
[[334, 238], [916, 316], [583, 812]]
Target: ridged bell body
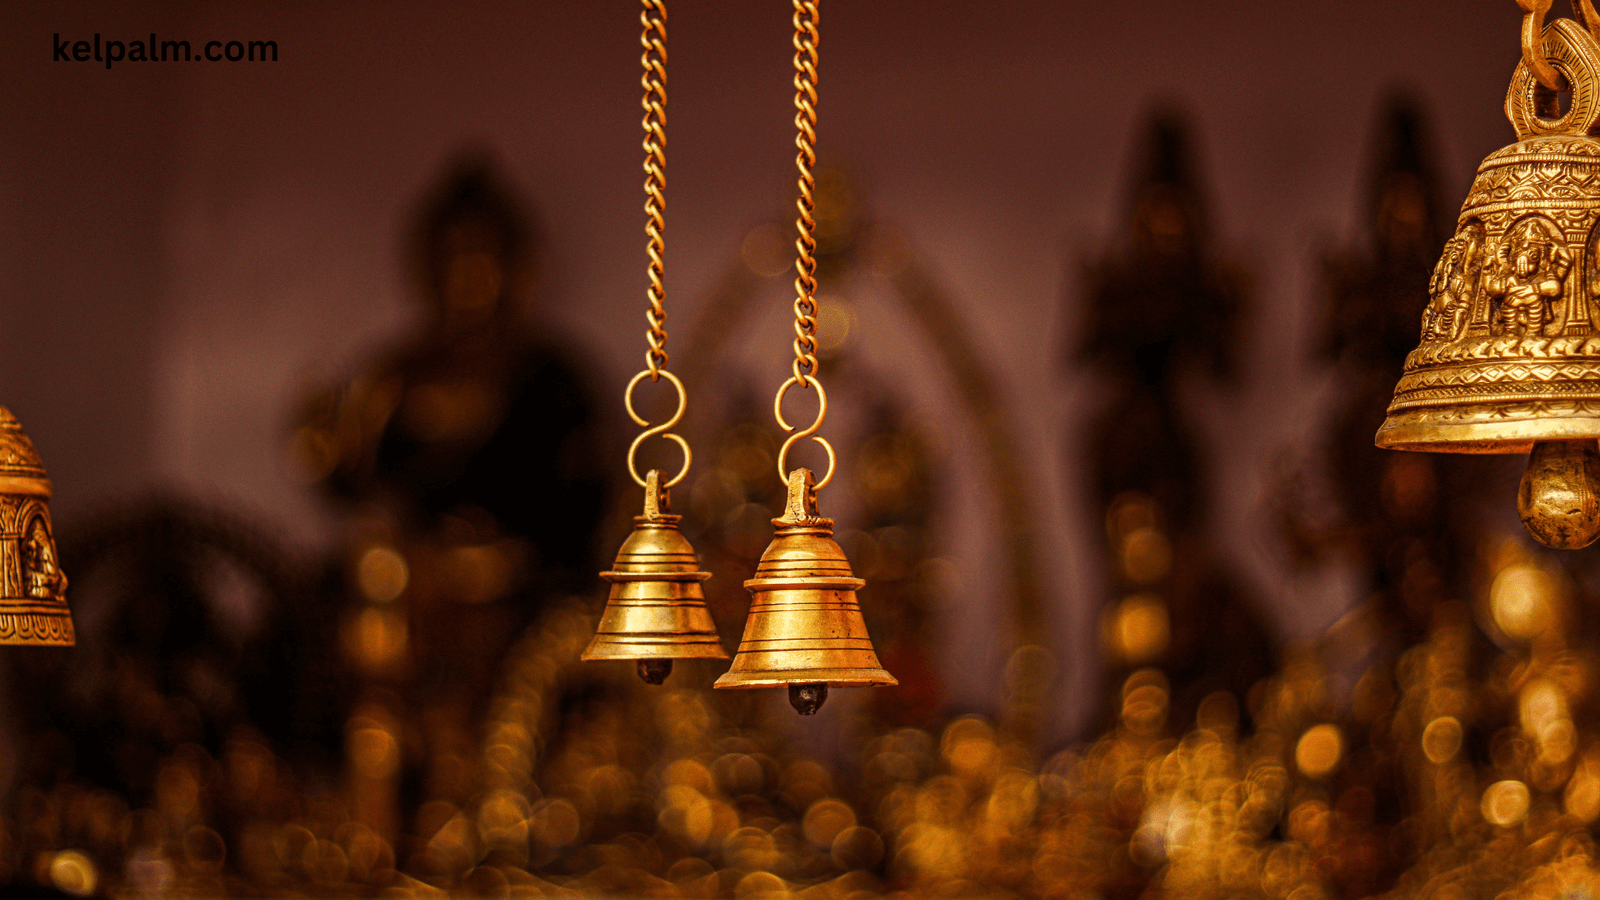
[[33, 590], [1509, 360], [805, 629], [656, 611]]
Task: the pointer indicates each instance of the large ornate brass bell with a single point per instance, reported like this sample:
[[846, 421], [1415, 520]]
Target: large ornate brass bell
[[33, 591], [805, 629], [656, 611], [1509, 360]]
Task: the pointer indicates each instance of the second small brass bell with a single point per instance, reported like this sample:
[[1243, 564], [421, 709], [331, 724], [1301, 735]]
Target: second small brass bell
[[805, 629], [33, 590], [1509, 360], [656, 612]]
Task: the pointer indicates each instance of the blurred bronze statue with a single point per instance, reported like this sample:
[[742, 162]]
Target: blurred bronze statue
[[1411, 522], [441, 432], [1164, 310], [467, 457]]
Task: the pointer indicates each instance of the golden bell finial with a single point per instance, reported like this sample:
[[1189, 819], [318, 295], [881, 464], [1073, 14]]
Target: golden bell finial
[[656, 612], [805, 628], [33, 590], [1509, 360]]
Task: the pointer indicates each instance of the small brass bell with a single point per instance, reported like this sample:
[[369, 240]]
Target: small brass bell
[[656, 612], [1509, 360], [805, 628], [33, 591]]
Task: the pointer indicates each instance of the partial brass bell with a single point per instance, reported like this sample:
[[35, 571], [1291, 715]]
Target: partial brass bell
[[805, 628], [656, 612], [33, 590], [1509, 360]]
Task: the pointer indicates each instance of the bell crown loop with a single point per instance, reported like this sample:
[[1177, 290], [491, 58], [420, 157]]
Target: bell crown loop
[[1534, 55], [1533, 108]]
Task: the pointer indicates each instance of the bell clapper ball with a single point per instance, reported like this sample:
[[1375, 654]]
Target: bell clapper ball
[[1559, 498]]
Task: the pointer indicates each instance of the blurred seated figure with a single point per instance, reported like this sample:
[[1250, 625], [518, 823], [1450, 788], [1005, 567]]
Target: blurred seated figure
[[472, 417], [467, 457]]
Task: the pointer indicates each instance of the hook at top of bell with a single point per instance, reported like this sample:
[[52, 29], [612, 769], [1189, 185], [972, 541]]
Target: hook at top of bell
[[1509, 358], [33, 601], [805, 629], [656, 611]]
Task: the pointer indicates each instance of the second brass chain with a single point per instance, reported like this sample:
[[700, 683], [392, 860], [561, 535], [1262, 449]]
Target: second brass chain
[[654, 80], [805, 121]]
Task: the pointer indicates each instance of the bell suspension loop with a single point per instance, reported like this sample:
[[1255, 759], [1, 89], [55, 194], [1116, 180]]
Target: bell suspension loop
[[1509, 357]]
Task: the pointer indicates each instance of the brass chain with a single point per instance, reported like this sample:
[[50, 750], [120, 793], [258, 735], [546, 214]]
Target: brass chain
[[805, 123], [805, 282], [1533, 56], [654, 80]]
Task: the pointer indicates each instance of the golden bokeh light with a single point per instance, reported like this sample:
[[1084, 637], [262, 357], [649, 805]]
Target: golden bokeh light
[[1441, 739], [382, 574], [1137, 630], [73, 873], [1505, 803], [1582, 797], [1319, 751], [1522, 601], [826, 820], [372, 749], [1146, 556]]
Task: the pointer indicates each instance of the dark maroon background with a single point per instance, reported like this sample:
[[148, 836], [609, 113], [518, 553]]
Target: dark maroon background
[[184, 246]]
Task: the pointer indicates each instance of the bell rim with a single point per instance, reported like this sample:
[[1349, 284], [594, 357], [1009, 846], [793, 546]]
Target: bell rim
[[804, 582], [734, 680], [619, 650], [26, 625], [1484, 437]]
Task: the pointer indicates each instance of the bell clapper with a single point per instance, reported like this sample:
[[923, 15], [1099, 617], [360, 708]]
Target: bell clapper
[[655, 671], [1559, 498], [807, 698]]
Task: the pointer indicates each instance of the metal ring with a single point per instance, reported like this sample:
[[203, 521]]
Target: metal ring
[[1583, 11], [1567, 48], [1533, 44], [809, 432], [661, 430]]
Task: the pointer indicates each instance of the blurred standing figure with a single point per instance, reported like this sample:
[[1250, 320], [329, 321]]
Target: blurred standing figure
[[1407, 519], [1164, 313], [467, 454]]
